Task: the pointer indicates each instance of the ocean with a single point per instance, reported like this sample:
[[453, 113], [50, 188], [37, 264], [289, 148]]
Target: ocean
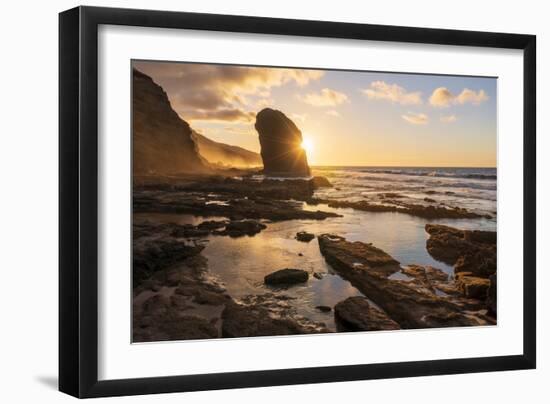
[[472, 188]]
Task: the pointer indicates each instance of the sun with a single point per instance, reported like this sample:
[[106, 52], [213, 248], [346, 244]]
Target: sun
[[307, 145]]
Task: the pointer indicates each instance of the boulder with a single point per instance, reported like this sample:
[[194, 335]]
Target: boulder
[[280, 141], [240, 228], [287, 276], [304, 236]]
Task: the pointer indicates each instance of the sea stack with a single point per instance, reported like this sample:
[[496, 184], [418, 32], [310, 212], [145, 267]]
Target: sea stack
[[281, 145]]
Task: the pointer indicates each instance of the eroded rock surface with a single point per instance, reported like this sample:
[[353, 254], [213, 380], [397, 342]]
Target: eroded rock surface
[[280, 141], [393, 205], [182, 302], [357, 314], [236, 199], [472, 286], [410, 304], [155, 248], [473, 251], [241, 320]]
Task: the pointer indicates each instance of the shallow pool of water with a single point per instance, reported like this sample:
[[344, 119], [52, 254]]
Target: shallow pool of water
[[241, 263]]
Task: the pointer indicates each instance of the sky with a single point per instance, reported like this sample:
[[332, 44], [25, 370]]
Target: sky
[[346, 117]]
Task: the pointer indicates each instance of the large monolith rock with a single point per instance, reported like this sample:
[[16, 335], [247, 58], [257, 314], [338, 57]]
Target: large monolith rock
[[281, 144]]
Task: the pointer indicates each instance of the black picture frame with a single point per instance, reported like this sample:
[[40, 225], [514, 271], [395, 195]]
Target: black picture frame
[[78, 200]]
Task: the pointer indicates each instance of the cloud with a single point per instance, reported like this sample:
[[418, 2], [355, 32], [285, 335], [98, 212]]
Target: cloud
[[325, 98], [220, 92], [415, 119], [470, 96], [448, 119], [443, 98], [380, 90], [332, 112]]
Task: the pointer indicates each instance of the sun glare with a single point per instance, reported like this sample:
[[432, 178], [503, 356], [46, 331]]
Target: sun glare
[[307, 145]]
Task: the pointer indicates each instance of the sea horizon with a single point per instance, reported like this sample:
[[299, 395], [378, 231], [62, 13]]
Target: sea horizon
[[395, 166]]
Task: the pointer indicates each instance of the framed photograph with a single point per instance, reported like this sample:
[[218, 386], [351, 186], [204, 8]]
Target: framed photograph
[[251, 201]]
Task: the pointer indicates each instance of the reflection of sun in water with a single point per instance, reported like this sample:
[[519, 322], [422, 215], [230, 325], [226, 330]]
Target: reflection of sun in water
[[307, 145]]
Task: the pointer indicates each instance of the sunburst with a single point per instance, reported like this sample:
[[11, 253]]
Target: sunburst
[[307, 145]]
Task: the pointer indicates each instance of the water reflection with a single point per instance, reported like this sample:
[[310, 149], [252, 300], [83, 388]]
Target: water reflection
[[242, 263]]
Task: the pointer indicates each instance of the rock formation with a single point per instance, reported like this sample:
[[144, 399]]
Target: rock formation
[[281, 141], [223, 154], [304, 236], [408, 303], [287, 276], [473, 251], [162, 142], [357, 314]]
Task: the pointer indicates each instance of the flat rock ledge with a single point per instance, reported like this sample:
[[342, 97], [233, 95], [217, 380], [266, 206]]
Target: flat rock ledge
[[392, 205], [287, 276], [411, 304], [357, 314]]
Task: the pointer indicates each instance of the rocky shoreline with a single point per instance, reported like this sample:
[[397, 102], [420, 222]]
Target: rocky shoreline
[[178, 172], [176, 298], [411, 303], [426, 211]]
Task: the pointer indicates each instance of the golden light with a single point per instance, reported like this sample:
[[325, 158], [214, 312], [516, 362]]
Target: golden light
[[307, 145]]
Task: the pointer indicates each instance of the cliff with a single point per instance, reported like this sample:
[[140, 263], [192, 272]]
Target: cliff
[[224, 154], [162, 141]]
